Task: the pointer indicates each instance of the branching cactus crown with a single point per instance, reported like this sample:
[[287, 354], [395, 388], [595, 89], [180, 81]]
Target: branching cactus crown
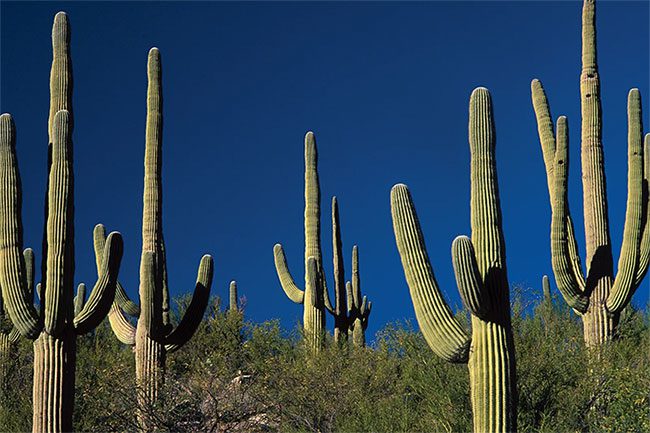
[[598, 296], [154, 336], [480, 268], [54, 328]]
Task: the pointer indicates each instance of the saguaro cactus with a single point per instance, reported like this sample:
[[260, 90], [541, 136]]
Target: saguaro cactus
[[312, 297], [480, 268], [233, 297], [350, 310], [154, 336], [598, 297], [54, 330]]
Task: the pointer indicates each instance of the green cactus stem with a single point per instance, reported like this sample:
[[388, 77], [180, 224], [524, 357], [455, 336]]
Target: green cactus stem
[[233, 305], [480, 268], [359, 307], [54, 330], [314, 297], [599, 295], [154, 336]]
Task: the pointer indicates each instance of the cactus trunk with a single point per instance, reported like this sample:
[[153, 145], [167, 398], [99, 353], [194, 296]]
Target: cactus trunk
[[149, 374], [6, 356], [54, 378]]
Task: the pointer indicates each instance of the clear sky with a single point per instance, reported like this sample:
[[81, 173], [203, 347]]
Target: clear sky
[[384, 86]]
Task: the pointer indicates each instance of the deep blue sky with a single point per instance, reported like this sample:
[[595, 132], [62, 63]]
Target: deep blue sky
[[385, 87]]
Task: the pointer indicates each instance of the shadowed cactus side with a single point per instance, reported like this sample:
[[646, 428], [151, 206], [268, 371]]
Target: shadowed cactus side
[[312, 297], [154, 336], [597, 296], [480, 268], [55, 327], [350, 310]]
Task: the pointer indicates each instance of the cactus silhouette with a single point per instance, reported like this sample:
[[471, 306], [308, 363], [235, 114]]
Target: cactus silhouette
[[55, 327], [598, 296], [480, 268], [154, 336]]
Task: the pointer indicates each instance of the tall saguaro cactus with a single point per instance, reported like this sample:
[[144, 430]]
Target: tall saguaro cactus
[[350, 310], [599, 296], [480, 268], [55, 327], [313, 296], [154, 336]]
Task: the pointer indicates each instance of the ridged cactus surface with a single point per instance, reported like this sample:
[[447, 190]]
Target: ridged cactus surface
[[154, 336], [313, 296], [232, 295], [480, 268], [598, 296]]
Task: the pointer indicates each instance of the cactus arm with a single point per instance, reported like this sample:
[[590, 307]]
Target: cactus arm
[[194, 314], [468, 277], [349, 297], [79, 299], [624, 287], [122, 328], [356, 279], [548, 142], [441, 330], [14, 335], [644, 256], [103, 294], [12, 272], [165, 287], [562, 269], [28, 257], [121, 298], [286, 281], [233, 296], [61, 72], [546, 289]]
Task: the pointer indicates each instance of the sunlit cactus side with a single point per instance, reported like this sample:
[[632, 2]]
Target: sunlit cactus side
[[154, 336], [233, 306], [546, 290], [55, 328], [480, 268], [598, 296], [313, 297]]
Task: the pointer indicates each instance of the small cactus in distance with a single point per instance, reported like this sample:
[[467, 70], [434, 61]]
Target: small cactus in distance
[[154, 336], [233, 297], [480, 268]]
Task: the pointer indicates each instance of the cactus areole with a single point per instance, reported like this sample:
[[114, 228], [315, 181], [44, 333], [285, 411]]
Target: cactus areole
[[480, 268]]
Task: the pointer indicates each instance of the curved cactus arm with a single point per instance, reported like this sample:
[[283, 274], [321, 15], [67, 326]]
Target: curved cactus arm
[[233, 296], [12, 271], [14, 335], [644, 256], [122, 328], [562, 269], [624, 287], [60, 226], [468, 277], [79, 299], [121, 298], [548, 142], [286, 280], [194, 314], [103, 294], [443, 333], [39, 291]]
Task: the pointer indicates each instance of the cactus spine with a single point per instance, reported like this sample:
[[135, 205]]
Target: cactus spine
[[154, 337], [598, 297], [350, 310], [313, 296], [54, 330], [480, 268]]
